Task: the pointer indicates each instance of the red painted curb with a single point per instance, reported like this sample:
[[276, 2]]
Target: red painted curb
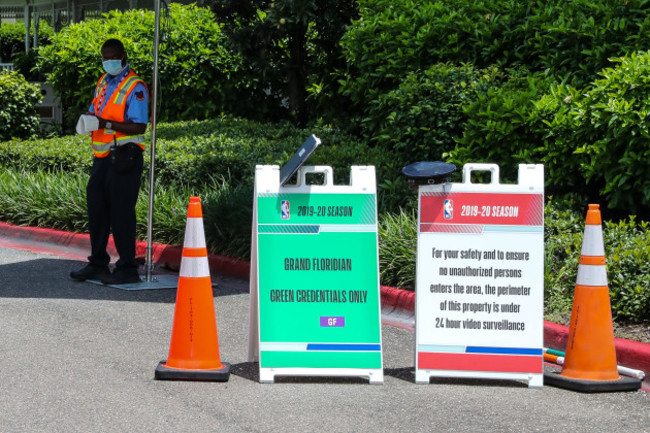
[[39, 234], [632, 354], [555, 336], [165, 255], [629, 353], [170, 256], [397, 298]]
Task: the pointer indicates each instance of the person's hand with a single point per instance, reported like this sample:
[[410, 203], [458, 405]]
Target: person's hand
[[102, 123]]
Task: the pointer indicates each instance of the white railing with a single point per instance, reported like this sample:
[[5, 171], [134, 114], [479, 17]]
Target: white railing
[[6, 66]]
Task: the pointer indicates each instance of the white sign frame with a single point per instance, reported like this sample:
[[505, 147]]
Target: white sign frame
[[267, 182], [478, 314]]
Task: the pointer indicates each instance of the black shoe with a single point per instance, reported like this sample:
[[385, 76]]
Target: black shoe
[[122, 276], [90, 272]]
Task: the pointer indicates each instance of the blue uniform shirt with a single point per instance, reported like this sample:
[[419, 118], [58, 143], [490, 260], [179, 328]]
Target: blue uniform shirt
[[137, 104]]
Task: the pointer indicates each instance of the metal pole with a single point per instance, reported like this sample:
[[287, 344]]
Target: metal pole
[[152, 148], [36, 23], [27, 23], [73, 10]]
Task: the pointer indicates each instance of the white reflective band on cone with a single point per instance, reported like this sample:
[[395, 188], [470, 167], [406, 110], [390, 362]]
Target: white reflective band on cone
[[194, 267], [194, 235], [592, 275], [592, 242]]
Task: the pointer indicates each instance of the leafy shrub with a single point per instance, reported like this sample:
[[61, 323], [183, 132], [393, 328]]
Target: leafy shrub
[[18, 100], [504, 124], [195, 68], [627, 252], [578, 38], [290, 50], [25, 64], [391, 50], [229, 216], [62, 154], [395, 37], [12, 38], [603, 134], [397, 248], [423, 117], [563, 228], [561, 162], [189, 154]]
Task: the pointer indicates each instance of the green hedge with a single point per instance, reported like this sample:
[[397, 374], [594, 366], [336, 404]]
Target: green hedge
[[627, 252], [12, 38], [395, 37], [422, 118], [509, 82], [189, 153], [601, 132], [61, 154], [213, 159], [505, 125], [18, 100]]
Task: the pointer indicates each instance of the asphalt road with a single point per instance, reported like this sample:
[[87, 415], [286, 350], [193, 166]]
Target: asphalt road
[[78, 357]]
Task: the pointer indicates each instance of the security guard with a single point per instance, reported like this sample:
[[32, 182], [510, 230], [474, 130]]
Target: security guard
[[121, 105]]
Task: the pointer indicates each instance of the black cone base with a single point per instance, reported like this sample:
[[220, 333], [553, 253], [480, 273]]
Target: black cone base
[[218, 375], [625, 383]]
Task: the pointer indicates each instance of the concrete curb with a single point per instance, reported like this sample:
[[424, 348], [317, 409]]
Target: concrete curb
[[398, 306]]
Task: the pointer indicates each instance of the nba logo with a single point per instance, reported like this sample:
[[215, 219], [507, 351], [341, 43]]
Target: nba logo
[[285, 209], [449, 209]]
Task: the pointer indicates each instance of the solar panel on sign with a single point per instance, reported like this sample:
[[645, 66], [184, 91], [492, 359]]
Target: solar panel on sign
[[298, 159]]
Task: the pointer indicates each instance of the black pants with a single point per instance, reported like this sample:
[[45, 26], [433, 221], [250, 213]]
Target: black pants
[[111, 197]]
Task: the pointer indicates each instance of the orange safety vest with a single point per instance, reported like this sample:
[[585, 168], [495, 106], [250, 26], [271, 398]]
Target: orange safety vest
[[114, 110]]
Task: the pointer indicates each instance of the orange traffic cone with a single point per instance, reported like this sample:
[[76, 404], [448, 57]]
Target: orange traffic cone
[[590, 361], [194, 348]]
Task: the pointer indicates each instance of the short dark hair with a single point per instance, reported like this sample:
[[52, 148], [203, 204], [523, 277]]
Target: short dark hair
[[115, 44]]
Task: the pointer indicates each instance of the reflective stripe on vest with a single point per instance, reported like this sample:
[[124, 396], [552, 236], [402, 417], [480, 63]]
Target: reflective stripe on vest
[[99, 146], [114, 110], [103, 81], [124, 89]]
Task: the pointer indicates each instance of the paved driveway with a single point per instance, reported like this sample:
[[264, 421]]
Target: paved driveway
[[77, 357]]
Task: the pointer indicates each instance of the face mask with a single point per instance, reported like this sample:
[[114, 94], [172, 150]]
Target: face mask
[[112, 67]]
